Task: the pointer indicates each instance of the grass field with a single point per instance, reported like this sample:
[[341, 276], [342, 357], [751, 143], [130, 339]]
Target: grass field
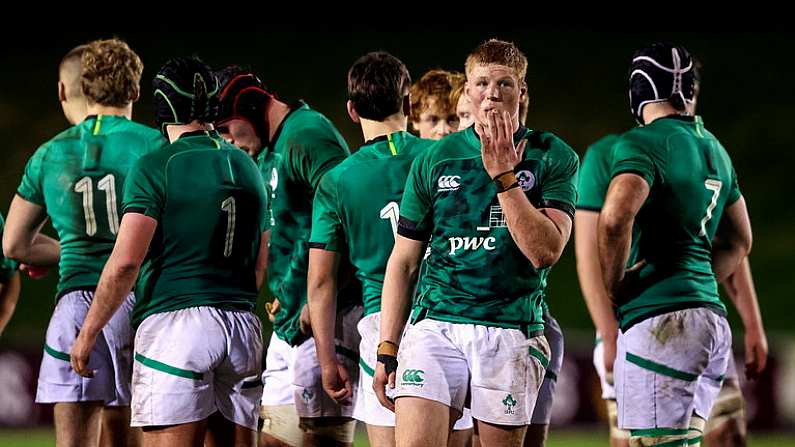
[[45, 437]]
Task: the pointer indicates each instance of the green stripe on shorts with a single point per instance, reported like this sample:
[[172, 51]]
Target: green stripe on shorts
[[173, 370], [540, 356], [370, 371], [660, 368], [57, 354], [551, 376], [657, 432]]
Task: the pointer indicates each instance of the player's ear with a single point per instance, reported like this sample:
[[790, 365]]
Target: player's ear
[[61, 91], [137, 94], [352, 112]]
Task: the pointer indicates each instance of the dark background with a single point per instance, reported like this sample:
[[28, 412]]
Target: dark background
[[577, 85]]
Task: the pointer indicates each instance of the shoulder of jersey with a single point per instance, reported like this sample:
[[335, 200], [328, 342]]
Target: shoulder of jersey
[[550, 143], [70, 133]]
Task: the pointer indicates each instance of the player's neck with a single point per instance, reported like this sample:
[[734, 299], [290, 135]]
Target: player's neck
[[658, 110], [373, 129], [277, 112], [175, 131], [99, 109]]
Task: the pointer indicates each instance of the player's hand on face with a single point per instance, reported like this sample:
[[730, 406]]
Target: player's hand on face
[[81, 349], [272, 309], [755, 354], [498, 152], [381, 380], [304, 322], [337, 383]]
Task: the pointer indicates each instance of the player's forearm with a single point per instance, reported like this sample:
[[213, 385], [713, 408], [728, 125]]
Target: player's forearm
[[34, 249], [596, 298], [590, 273], [740, 288], [45, 251], [399, 284], [614, 237], [9, 295], [536, 235], [115, 283], [322, 299]]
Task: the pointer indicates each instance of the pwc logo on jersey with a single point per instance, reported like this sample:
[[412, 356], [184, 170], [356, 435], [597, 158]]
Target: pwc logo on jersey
[[471, 244], [449, 182]]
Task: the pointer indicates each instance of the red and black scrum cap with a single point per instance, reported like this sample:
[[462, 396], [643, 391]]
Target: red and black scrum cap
[[243, 96]]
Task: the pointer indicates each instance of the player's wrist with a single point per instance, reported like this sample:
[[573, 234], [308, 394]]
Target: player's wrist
[[505, 181], [387, 347], [387, 355]]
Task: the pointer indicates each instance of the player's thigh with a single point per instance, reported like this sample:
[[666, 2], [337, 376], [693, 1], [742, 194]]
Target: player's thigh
[[507, 371], [431, 365], [501, 435], [422, 422]]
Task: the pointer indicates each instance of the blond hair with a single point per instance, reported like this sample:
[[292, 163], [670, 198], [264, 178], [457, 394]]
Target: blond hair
[[111, 73]]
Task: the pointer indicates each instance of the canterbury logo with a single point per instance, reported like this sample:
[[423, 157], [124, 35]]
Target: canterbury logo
[[471, 243], [449, 182], [413, 375]]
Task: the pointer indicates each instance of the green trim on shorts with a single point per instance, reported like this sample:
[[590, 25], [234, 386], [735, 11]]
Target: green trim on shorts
[[551, 376], [57, 354], [660, 368], [721, 378], [353, 355], [173, 370], [657, 432], [597, 340], [693, 441], [370, 371], [539, 356]]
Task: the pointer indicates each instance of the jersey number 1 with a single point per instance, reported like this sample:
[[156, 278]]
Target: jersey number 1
[[392, 212], [86, 188], [228, 205], [714, 186]]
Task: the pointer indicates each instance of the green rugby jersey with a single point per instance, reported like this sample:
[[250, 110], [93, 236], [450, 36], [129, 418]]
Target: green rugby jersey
[[356, 207], [7, 266], [692, 180], [304, 148], [475, 272], [595, 174], [78, 177], [209, 202]]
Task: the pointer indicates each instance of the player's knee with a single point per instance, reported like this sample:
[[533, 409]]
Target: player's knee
[[280, 426], [669, 437], [726, 425], [612, 418], [340, 430], [696, 431]]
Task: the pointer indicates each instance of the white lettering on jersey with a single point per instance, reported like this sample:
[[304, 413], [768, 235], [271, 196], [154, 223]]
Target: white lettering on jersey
[[471, 243]]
